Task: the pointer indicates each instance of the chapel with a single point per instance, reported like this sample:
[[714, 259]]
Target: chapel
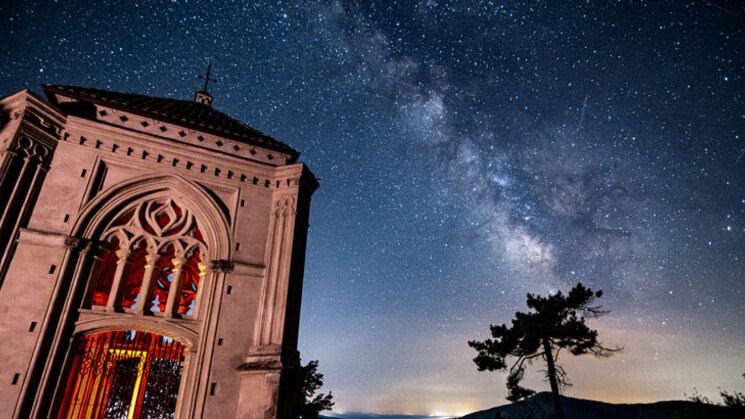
[[151, 259]]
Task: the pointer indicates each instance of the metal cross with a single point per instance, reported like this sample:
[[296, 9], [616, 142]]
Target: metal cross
[[207, 78]]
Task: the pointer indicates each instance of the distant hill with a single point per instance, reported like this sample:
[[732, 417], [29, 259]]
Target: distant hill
[[540, 406], [358, 415]]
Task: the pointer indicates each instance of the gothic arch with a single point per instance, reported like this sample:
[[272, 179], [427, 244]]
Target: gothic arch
[[122, 223], [144, 199], [124, 373], [97, 213], [178, 332]]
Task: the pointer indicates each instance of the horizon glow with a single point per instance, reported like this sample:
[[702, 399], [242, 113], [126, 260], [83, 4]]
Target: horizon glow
[[468, 154]]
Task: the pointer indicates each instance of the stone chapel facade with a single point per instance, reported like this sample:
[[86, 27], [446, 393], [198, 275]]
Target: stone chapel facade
[[151, 259]]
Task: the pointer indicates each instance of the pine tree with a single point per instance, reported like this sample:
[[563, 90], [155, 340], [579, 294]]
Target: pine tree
[[312, 404], [557, 322]]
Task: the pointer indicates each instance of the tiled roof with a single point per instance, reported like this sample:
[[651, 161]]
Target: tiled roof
[[180, 112]]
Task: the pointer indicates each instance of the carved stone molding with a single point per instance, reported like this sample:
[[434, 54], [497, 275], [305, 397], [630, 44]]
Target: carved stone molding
[[264, 350], [75, 243], [44, 121], [269, 357], [161, 223], [286, 205], [214, 224], [42, 238], [262, 357], [185, 331], [30, 147], [248, 269], [260, 363], [222, 266]]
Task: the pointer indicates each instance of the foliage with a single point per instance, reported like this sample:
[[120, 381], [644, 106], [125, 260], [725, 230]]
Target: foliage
[[734, 399], [556, 322], [697, 397], [312, 404]]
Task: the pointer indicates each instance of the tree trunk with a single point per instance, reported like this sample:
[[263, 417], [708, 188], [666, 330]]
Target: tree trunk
[[558, 412]]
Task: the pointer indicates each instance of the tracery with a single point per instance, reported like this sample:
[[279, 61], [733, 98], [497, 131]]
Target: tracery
[[151, 260]]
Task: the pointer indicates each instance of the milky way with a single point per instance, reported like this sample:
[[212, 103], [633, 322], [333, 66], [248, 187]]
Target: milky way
[[468, 155]]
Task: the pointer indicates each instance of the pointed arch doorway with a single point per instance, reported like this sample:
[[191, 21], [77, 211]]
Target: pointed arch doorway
[[145, 269], [123, 374]]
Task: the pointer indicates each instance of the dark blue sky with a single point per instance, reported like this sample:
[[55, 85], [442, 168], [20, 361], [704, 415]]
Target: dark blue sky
[[468, 155]]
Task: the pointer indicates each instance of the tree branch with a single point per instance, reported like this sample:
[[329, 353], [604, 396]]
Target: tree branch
[[518, 365]]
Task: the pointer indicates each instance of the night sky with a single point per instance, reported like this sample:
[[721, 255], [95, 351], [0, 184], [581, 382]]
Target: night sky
[[468, 155]]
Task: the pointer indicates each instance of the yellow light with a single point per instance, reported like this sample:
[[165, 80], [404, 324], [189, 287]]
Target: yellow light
[[140, 370]]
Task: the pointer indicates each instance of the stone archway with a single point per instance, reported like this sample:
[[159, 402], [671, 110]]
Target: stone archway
[[123, 374], [182, 231]]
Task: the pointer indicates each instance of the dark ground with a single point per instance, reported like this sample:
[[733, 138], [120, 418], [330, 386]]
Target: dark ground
[[540, 406]]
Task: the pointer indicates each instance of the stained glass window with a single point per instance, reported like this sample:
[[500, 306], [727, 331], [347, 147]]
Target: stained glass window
[[138, 232]]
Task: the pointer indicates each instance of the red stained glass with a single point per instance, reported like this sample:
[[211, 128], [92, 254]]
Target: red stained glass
[[167, 225], [190, 284], [135, 275], [148, 228], [150, 210], [107, 270], [163, 219]]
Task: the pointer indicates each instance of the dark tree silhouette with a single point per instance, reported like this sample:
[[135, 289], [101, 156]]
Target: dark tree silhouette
[[557, 322], [734, 399], [312, 404]]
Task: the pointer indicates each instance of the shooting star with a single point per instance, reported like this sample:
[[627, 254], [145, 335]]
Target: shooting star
[[582, 115]]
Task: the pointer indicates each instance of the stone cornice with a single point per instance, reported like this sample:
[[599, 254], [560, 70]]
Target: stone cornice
[[144, 138], [42, 238], [26, 98], [298, 174], [191, 136], [37, 117], [248, 269], [128, 146]]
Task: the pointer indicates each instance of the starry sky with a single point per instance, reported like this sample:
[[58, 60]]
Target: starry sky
[[468, 154]]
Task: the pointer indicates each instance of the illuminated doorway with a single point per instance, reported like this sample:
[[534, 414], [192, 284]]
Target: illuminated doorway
[[123, 375]]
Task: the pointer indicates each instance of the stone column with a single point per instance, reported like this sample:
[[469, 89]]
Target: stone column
[[279, 253], [146, 289], [186, 388], [75, 246], [14, 193], [174, 291], [37, 169], [24, 191], [62, 315], [94, 275], [10, 158], [209, 300], [120, 276], [13, 212], [6, 163]]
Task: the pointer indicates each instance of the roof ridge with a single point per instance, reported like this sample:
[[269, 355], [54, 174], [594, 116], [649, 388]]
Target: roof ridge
[[178, 111]]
